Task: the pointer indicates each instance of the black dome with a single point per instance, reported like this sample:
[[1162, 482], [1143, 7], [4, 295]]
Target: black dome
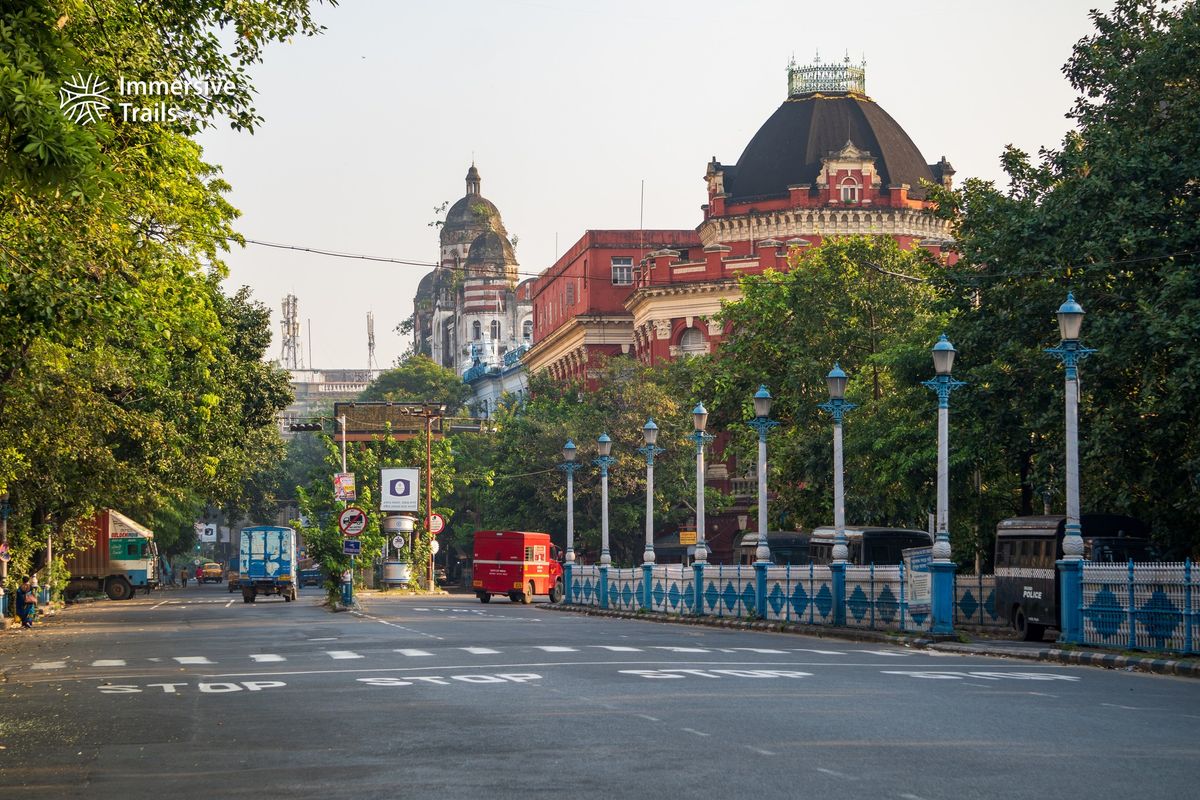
[[472, 210], [491, 248], [788, 148]]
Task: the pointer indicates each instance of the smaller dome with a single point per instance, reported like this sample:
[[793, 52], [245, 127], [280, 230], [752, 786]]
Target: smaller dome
[[425, 287], [473, 175], [472, 210], [491, 248]]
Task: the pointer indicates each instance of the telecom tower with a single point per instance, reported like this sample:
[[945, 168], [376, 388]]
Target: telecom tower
[[371, 362], [292, 356]]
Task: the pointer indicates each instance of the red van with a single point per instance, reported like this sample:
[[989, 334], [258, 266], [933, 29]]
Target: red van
[[519, 564]]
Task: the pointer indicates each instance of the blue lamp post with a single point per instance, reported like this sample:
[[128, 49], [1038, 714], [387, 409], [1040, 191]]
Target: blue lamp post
[[1071, 351], [837, 406], [650, 435], [604, 461], [569, 465], [700, 438], [762, 553], [942, 568]]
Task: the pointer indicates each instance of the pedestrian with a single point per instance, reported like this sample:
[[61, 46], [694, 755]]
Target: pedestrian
[[26, 602], [199, 574]]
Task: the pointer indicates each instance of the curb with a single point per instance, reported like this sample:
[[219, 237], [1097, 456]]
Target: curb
[[947, 644]]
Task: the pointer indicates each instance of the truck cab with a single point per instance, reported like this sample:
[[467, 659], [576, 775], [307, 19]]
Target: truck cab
[[519, 564]]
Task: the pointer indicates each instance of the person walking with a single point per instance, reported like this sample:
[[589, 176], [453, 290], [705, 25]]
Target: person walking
[[26, 603]]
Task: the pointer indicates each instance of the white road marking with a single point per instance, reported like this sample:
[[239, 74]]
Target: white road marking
[[192, 660], [836, 774], [480, 651], [342, 654], [1123, 708], [759, 750], [693, 730], [551, 648], [413, 653], [818, 652], [50, 665], [682, 649], [911, 797], [109, 662], [227, 605], [264, 657], [393, 625], [163, 603], [650, 718], [765, 650], [897, 653], [616, 648], [325, 639]]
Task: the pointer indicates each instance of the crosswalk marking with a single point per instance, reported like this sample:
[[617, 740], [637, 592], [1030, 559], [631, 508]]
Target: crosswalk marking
[[262, 657], [413, 653], [192, 660], [551, 648], [480, 651], [50, 665], [109, 662], [616, 648], [340, 654]]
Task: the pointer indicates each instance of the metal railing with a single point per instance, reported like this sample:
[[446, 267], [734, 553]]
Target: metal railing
[[1141, 606]]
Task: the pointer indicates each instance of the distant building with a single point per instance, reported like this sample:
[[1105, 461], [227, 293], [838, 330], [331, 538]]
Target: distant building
[[471, 312], [316, 390]]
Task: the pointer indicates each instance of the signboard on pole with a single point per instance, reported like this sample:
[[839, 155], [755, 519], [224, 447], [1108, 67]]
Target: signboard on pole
[[435, 524], [209, 533], [916, 578], [687, 537], [399, 542], [400, 490], [343, 487], [351, 547], [352, 521]]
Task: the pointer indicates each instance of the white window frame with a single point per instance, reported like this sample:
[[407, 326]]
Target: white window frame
[[622, 270]]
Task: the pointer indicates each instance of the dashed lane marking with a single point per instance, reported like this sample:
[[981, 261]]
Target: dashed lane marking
[[264, 657], [109, 662], [896, 653], [342, 654], [759, 750], [613, 648], [693, 730], [682, 649], [552, 648], [50, 665], [818, 652], [394, 625], [480, 651], [192, 660], [407, 651]]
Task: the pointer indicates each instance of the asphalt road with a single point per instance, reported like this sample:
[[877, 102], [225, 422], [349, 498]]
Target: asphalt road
[[186, 694]]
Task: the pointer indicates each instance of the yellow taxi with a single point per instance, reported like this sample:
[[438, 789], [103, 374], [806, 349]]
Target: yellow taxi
[[212, 572]]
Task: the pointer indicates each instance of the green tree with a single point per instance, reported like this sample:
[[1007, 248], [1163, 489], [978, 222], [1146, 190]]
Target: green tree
[[419, 379], [1110, 215]]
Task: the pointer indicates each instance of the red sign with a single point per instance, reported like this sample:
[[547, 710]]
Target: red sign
[[352, 521], [435, 524]]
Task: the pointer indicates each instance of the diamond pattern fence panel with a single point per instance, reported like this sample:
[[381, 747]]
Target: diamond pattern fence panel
[[975, 601], [873, 597], [585, 585], [729, 591], [800, 594], [673, 589], [1141, 606], [625, 589]]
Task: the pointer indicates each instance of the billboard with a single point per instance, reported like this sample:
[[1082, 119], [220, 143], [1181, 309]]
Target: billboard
[[400, 490]]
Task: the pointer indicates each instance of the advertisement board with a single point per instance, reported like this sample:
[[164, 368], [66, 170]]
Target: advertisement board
[[916, 578], [400, 490]]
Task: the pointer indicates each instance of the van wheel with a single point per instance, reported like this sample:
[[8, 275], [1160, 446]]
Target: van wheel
[[514, 597], [1028, 631], [484, 597], [527, 597], [556, 592]]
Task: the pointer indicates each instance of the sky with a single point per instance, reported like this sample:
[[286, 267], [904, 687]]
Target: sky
[[569, 109]]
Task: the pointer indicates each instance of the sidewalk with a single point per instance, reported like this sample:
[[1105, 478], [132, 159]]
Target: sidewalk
[[975, 645]]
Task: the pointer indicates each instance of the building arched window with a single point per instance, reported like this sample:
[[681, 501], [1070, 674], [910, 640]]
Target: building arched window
[[476, 330], [496, 329], [527, 330], [692, 342], [849, 187]]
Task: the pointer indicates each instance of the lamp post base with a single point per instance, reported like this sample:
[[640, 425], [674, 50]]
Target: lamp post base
[[942, 597]]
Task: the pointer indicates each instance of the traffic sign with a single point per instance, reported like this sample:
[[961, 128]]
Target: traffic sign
[[352, 521], [434, 547], [398, 542], [351, 547], [435, 524]]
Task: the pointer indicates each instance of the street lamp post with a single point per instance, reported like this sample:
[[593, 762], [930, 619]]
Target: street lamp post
[[762, 553], [569, 465], [942, 568], [837, 406], [650, 435], [1071, 351], [700, 438], [604, 461]]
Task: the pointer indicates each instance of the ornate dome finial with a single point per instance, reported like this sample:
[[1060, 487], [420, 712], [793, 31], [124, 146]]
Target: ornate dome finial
[[473, 179], [832, 77]]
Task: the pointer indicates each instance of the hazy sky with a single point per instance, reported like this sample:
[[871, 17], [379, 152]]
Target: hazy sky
[[566, 108]]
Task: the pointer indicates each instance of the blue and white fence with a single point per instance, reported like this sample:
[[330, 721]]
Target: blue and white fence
[[874, 596], [1142, 606], [975, 601]]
